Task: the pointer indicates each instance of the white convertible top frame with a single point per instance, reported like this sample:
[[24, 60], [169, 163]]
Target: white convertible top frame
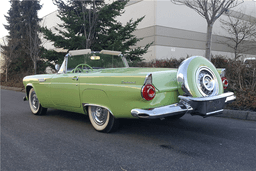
[[79, 52], [110, 52]]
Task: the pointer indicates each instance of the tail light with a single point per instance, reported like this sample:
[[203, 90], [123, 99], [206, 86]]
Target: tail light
[[224, 79], [224, 82], [148, 91]]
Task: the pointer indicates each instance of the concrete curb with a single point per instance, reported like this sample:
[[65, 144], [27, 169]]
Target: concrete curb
[[234, 114], [13, 88], [238, 114]]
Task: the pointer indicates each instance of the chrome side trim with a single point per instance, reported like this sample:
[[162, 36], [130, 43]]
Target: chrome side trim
[[88, 104], [42, 80], [148, 78]]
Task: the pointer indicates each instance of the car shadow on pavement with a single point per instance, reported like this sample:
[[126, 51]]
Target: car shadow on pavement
[[67, 115], [187, 125], [156, 127]]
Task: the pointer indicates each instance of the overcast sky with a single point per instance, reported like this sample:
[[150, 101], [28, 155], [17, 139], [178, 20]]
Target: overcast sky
[[47, 8]]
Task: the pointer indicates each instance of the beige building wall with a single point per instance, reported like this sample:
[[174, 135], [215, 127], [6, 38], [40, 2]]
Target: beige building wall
[[175, 30], [178, 31], [50, 21], [2, 61]]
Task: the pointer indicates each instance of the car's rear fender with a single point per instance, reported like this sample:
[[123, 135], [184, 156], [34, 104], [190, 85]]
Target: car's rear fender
[[165, 81], [119, 94]]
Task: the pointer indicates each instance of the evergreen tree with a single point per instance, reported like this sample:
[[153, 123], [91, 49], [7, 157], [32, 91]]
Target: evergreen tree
[[13, 19], [93, 24], [22, 42], [115, 36], [31, 28], [13, 47]]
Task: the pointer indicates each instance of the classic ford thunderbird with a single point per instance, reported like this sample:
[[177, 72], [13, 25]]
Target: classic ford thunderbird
[[102, 85]]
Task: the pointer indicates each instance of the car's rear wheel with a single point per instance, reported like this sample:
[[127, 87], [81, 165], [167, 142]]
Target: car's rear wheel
[[34, 104], [101, 119]]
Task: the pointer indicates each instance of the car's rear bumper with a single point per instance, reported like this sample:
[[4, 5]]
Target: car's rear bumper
[[204, 106]]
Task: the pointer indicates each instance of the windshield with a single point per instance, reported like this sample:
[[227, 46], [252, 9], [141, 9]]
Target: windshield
[[91, 62]]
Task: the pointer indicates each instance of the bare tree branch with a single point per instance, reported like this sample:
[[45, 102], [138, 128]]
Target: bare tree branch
[[240, 33], [8, 50], [211, 10]]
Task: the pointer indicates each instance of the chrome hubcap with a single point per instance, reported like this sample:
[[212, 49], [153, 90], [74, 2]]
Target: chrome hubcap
[[206, 82], [99, 115], [34, 101]]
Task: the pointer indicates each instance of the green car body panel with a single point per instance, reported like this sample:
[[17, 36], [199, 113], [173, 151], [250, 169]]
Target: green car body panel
[[118, 90]]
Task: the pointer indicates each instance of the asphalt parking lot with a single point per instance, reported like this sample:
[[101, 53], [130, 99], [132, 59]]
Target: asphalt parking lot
[[67, 141]]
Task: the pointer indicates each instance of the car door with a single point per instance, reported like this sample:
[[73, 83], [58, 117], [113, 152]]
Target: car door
[[65, 90]]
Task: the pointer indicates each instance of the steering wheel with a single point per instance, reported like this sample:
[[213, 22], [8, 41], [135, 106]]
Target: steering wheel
[[81, 69]]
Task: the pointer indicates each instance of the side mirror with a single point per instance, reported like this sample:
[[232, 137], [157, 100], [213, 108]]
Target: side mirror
[[57, 67]]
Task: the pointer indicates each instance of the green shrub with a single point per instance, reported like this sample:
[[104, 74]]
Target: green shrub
[[242, 81]]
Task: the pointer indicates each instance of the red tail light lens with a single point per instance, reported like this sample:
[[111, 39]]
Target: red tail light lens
[[148, 92], [224, 82]]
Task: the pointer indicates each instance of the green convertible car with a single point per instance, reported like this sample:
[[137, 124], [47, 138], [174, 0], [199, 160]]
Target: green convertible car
[[102, 85]]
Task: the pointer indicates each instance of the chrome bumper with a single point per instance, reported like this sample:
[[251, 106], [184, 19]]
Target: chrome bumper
[[204, 106]]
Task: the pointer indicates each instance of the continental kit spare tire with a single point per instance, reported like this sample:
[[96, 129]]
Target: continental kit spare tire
[[198, 77]]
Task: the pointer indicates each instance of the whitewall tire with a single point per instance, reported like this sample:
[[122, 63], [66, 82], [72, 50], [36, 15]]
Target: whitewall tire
[[101, 119], [34, 104]]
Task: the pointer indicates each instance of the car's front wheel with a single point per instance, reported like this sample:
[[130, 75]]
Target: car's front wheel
[[101, 119], [34, 104]]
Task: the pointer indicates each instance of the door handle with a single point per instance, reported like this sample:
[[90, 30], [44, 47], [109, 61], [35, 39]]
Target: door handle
[[75, 78]]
